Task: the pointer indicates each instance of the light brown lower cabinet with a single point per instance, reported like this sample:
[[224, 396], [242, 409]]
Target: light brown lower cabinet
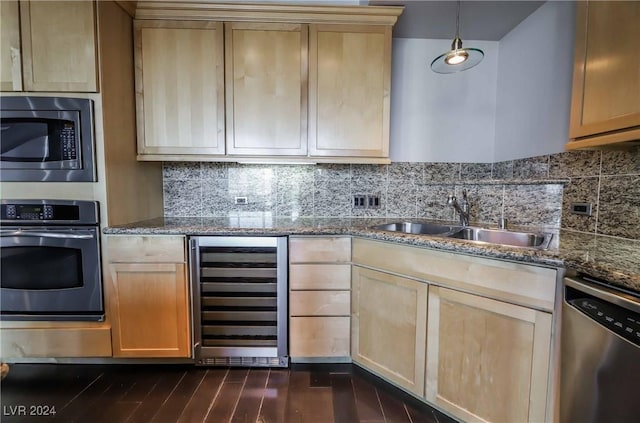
[[32, 339], [319, 298], [149, 296], [470, 335], [487, 360], [389, 326], [314, 337]]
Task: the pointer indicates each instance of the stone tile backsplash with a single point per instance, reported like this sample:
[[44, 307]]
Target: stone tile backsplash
[[408, 190], [610, 180]]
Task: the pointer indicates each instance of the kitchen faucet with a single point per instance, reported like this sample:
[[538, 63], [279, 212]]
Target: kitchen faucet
[[462, 208]]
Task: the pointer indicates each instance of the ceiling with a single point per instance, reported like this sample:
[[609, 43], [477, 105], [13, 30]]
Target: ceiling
[[479, 20]]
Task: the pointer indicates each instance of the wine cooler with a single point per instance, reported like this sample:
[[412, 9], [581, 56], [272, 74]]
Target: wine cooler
[[239, 287]]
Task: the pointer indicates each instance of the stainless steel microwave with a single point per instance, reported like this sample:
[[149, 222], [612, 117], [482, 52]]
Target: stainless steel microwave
[[46, 139]]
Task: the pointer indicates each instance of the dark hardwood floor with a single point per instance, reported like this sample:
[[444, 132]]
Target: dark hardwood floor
[[154, 393]]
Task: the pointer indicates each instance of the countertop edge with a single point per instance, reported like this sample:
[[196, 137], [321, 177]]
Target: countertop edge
[[576, 259], [540, 257]]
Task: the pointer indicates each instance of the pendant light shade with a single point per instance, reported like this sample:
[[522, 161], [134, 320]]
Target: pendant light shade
[[457, 59]]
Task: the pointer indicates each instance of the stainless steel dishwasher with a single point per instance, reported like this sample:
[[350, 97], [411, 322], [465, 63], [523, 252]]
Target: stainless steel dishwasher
[[600, 344], [239, 287]]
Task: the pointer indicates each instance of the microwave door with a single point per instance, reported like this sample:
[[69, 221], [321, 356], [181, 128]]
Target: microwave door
[[24, 141]]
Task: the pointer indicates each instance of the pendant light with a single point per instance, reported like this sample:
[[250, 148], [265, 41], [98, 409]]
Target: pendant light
[[458, 58]]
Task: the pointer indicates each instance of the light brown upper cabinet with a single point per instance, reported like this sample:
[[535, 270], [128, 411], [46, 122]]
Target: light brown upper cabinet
[[283, 83], [605, 106], [48, 46], [266, 86], [179, 88], [349, 89], [10, 64]]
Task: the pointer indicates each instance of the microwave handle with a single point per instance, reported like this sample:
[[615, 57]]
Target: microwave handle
[[60, 234]]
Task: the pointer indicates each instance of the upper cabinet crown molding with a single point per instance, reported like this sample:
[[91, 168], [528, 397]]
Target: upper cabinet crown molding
[[128, 6], [265, 12], [605, 108]]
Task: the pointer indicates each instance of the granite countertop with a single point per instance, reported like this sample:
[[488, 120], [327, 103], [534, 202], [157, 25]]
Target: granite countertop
[[616, 260]]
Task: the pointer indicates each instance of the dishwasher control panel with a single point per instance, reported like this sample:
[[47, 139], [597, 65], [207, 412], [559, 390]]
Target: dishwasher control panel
[[624, 322]]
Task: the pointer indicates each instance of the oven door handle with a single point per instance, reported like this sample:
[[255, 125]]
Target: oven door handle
[[60, 234]]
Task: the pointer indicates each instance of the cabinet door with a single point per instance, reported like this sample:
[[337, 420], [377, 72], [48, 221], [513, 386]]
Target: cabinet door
[[10, 55], [349, 88], [150, 310], [179, 87], [487, 360], [266, 85], [606, 80], [389, 325], [59, 46]]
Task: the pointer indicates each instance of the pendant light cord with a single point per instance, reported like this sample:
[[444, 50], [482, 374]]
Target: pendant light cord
[[458, 21]]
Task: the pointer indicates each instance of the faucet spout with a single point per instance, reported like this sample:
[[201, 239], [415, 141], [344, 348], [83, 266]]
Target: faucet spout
[[461, 209]]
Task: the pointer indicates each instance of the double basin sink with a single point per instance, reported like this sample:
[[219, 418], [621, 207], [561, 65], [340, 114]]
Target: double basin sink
[[537, 240]]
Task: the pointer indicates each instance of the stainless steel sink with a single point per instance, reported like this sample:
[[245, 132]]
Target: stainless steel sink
[[538, 240], [418, 228]]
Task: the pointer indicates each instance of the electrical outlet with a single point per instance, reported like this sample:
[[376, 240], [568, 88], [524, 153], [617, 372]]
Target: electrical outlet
[[373, 201], [581, 208], [241, 200], [359, 202]]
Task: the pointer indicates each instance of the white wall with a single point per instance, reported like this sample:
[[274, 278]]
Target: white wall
[[534, 84], [442, 118], [514, 104]]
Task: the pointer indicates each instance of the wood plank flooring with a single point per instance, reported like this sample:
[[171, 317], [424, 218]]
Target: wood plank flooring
[[177, 393]]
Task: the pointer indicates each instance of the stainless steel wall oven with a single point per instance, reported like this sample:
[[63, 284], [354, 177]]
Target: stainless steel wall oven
[[50, 260], [46, 139], [239, 287]]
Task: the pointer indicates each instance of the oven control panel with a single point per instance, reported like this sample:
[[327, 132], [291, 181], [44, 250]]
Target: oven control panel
[[39, 212]]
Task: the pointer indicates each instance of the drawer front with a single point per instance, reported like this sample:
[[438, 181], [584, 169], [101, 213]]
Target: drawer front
[[320, 250], [56, 342], [524, 284], [319, 276], [140, 249], [319, 337], [320, 303]]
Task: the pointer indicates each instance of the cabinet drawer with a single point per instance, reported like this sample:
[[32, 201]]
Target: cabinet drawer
[[319, 336], [63, 341], [319, 276], [524, 284], [140, 249], [320, 250], [319, 303]]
